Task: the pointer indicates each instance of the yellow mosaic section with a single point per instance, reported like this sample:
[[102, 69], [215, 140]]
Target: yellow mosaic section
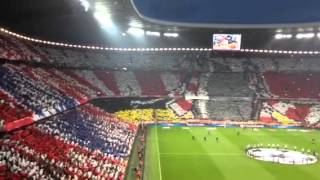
[[151, 115]]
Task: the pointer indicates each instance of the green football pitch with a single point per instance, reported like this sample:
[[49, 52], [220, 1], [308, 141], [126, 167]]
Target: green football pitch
[[172, 154]]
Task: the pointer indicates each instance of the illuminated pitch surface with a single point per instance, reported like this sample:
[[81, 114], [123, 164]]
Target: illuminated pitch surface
[[176, 155]]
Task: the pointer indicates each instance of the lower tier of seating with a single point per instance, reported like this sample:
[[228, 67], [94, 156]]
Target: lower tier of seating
[[229, 110], [84, 143], [149, 115], [290, 112]]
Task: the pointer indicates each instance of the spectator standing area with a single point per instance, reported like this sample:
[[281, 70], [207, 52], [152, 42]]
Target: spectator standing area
[[172, 153]]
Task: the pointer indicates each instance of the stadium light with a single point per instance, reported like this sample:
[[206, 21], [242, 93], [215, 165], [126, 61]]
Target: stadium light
[[85, 4], [318, 35], [171, 34], [104, 19], [283, 36], [151, 33], [135, 24], [305, 35], [278, 36], [135, 31]]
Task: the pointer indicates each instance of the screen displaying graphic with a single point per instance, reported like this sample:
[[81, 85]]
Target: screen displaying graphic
[[229, 42]]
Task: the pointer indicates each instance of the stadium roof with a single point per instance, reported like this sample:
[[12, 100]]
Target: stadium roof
[[116, 23], [230, 13]]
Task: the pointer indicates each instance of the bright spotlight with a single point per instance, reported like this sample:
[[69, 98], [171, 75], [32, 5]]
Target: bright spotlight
[[318, 35], [305, 35], [135, 31], [135, 24], [278, 36], [171, 34], [283, 36], [151, 33], [104, 19], [85, 4]]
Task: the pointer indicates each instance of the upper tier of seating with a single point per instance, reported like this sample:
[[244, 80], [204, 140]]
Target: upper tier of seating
[[293, 85], [13, 49], [84, 143], [229, 84]]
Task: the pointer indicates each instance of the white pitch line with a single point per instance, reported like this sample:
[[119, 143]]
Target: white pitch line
[[203, 154], [158, 153], [303, 130], [291, 130]]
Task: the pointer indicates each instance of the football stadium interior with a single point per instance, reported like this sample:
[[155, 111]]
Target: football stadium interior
[[159, 90]]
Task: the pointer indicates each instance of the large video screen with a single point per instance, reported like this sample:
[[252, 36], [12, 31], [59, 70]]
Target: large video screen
[[227, 42]]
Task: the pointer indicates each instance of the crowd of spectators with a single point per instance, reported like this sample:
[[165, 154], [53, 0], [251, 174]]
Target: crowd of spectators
[[229, 110], [84, 143], [49, 91], [148, 115], [293, 85], [229, 84], [10, 110], [34, 95], [136, 73], [290, 112]]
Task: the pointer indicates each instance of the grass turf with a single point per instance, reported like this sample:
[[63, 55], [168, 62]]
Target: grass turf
[[171, 154]]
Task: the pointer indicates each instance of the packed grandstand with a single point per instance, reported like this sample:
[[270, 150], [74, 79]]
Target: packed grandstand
[[52, 129]]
